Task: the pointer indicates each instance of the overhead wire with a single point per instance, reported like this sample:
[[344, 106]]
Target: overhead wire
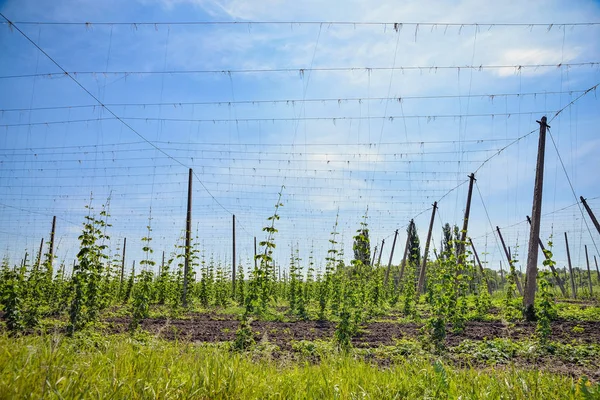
[[13, 26]]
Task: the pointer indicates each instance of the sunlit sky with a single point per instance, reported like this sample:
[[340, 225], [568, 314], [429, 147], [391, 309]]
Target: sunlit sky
[[350, 105]]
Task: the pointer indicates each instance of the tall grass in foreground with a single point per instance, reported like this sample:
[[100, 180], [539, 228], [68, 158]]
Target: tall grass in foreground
[[118, 367]]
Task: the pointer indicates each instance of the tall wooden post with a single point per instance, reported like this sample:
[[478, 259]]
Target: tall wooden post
[[597, 270], [403, 264], [573, 292], [374, 254], [188, 234], [421, 283], [534, 232], [501, 274], [487, 282], [387, 272], [233, 259], [51, 250], [123, 262], [587, 260], [162, 264], [590, 213], [255, 266], [380, 252], [463, 235], [510, 262], [39, 259], [554, 272]]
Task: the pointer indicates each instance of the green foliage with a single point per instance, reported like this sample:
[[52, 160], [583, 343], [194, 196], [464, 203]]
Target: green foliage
[[87, 274], [120, 367], [244, 337], [140, 306], [344, 331], [362, 245], [512, 310], [546, 310], [240, 285], [414, 244], [12, 301], [129, 287], [262, 285]]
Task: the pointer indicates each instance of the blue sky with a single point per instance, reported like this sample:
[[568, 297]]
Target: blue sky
[[312, 106]]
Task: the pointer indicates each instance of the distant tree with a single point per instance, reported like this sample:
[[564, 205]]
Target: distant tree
[[446, 241], [456, 239], [362, 245], [414, 245]]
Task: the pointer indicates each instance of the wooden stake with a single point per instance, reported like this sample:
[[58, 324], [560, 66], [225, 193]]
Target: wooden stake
[[387, 273], [39, 259], [380, 252], [573, 292], [403, 264], [255, 266], [487, 282], [233, 259], [463, 235], [534, 232], [587, 260], [421, 283], [510, 262], [188, 234], [374, 254], [123, 263], [51, 250], [590, 213]]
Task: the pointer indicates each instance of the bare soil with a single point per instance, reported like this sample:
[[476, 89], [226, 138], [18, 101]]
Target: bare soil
[[219, 328]]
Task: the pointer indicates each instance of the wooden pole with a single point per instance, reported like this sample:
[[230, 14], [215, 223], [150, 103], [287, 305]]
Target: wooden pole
[[591, 214], [123, 262], [573, 292], [501, 274], [534, 232], [233, 259], [463, 235], [554, 272], [374, 254], [510, 262], [597, 270], [380, 252], [387, 272], [403, 264], [255, 266], [39, 260], [51, 250], [188, 234], [421, 283], [162, 264], [487, 282], [587, 260]]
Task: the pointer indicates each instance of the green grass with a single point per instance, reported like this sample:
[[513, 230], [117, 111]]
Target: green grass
[[119, 367]]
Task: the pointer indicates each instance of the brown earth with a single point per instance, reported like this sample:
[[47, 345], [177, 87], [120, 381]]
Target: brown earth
[[218, 328]]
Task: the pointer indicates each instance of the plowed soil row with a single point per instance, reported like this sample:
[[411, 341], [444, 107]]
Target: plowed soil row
[[219, 328]]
